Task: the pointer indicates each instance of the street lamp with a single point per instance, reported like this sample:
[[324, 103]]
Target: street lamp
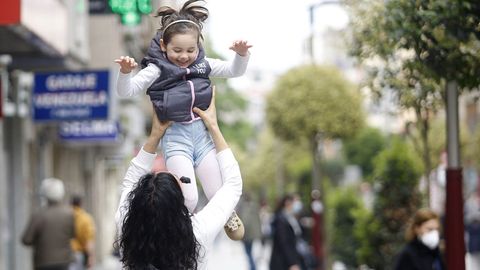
[[311, 9]]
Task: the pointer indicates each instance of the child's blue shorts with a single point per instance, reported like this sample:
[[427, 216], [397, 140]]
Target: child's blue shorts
[[191, 140]]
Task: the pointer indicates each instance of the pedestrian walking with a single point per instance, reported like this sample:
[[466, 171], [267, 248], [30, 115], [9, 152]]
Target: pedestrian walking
[[176, 74], [83, 244], [50, 229], [286, 230], [156, 229], [249, 210], [266, 218], [422, 250]]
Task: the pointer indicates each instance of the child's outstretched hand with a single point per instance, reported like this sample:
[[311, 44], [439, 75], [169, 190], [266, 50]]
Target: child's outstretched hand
[[127, 64], [241, 47]]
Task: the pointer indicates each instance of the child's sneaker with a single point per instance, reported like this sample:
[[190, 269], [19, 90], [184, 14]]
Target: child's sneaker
[[234, 227]]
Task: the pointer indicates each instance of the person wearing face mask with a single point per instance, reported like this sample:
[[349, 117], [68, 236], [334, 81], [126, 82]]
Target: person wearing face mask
[[286, 231], [422, 250]]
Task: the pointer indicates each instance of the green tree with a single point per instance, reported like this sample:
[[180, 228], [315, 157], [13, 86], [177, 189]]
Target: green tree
[[344, 202], [396, 176], [312, 101], [333, 169], [419, 48], [439, 39], [363, 147], [271, 172], [364, 232]]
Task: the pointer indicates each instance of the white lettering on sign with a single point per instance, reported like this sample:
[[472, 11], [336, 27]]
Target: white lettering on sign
[[92, 128], [63, 99], [71, 113], [71, 81]]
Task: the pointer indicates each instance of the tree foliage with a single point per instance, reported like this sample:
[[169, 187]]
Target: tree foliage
[[345, 203], [397, 172], [363, 147], [439, 38], [414, 48], [309, 100], [260, 167]]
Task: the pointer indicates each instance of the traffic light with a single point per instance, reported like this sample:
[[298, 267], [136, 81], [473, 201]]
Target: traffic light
[[131, 10], [144, 6]]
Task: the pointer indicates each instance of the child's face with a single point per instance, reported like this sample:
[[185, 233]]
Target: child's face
[[182, 50]]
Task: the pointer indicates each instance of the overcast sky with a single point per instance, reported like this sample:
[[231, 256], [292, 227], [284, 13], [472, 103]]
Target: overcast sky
[[277, 29]]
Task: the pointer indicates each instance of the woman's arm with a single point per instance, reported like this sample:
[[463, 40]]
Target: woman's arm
[[140, 165], [212, 217], [209, 118]]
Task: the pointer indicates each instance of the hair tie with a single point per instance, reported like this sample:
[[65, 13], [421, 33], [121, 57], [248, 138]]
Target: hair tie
[[179, 21]]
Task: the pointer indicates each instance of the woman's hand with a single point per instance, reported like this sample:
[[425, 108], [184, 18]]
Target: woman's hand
[[241, 47], [127, 64], [209, 116], [158, 127], [156, 134]]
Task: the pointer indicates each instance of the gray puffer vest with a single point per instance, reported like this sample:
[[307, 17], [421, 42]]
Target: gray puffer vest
[[178, 90]]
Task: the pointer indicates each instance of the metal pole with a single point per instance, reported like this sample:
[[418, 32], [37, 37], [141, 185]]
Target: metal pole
[[454, 233], [453, 158]]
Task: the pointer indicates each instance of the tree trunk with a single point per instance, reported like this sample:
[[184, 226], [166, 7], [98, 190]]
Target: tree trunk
[[316, 155], [427, 162], [279, 164]]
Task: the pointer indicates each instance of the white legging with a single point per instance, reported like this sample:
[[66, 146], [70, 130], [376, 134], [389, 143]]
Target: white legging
[[208, 173]]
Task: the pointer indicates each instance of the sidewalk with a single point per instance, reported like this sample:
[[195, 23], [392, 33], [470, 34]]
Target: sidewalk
[[226, 254]]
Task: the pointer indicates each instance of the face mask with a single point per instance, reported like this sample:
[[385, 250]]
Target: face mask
[[297, 207], [430, 239], [317, 207]]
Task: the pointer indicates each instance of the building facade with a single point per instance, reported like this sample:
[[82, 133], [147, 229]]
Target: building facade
[[55, 37]]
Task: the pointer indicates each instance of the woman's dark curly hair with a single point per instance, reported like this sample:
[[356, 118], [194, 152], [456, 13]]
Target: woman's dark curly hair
[[157, 230], [192, 10]]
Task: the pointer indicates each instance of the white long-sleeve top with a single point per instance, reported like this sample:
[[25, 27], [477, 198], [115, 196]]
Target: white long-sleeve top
[[128, 86], [208, 222]]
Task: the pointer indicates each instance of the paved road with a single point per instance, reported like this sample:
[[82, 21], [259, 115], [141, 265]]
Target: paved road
[[226, 254]]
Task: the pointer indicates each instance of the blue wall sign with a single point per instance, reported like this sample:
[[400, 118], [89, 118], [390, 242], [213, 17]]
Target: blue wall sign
[[89, 131], [65, 96]]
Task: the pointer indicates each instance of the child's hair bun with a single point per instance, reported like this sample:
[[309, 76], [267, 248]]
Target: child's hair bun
[[193, 10], [196, 8]]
